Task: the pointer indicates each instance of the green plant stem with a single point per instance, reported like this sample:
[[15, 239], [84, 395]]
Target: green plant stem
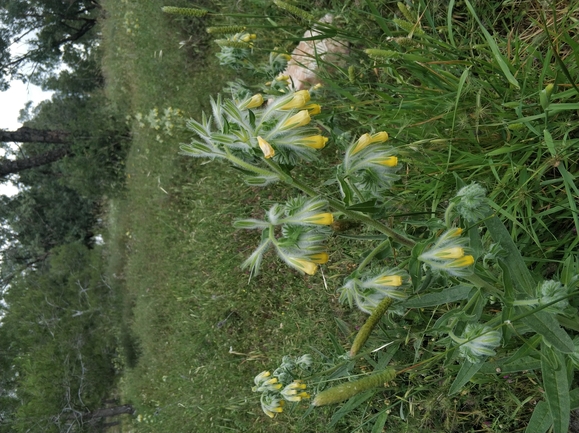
[[341, 207], [480, 283], [247, 166], [372, 254]]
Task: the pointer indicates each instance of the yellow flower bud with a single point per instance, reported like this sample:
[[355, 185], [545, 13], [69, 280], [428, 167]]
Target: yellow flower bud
[[314, 141], [380, 137], [391, 161], [304, 265], [282, 78], [450, 253], [313, 109], [362, 143], [390, 280], [324, 218], [299, 99], [255, 101], [462, 262], [297, 120], [319, 258], [268, 151]]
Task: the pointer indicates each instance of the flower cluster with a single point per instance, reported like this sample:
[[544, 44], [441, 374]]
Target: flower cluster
[[236, 49], [248, 130], [370, 165], [471, 202], [548, 292], [368, 290], [304, 231], [282, 386], [449, 254], [477, 341]]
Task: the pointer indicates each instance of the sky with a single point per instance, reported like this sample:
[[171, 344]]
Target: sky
[[11, 102]]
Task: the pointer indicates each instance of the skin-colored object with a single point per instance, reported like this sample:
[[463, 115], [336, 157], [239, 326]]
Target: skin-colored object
[[303, 66]]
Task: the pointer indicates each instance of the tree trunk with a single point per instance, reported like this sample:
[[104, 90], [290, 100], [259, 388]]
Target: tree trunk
[[31, 135], [109, 412], [8, 166]]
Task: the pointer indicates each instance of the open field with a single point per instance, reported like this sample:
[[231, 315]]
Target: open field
[[463, 107]]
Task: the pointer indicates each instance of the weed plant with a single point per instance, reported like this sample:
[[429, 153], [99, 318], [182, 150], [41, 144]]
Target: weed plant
[[478, 307], [443, 203]]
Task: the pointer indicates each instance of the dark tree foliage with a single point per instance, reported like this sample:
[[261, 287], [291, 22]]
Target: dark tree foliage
[[53, 30], [56, 344]]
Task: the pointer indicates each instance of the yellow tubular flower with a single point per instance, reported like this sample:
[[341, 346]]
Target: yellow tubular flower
[[450, 253], [390, 280], [282, 78], [297, 120], [462, 262], [304, 265], [319, 258], [380, 137], [268, 151], [255, 101], [314, 141], [313, 109], [324, 218], [391, 161], [362, 143], [299, 99]]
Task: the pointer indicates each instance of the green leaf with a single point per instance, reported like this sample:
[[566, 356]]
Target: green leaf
[[540, 420], [522, 278], [346, 191], [505, 366], [556, 387], [466, 372], [350, 405], [526, 349], [543, 323], [366, 207], [446, 296], [380, 422]]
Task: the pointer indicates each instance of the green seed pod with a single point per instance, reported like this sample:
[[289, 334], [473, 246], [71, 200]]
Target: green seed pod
[[409, 27], [515, 126], [191, 12], [545, 96], [406, 12], [370, 324], [352, 74], [294, 10], [346, 390], [225, 30]]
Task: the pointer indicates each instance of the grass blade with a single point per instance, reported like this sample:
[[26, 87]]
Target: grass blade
[[521, 276], [494, 48]]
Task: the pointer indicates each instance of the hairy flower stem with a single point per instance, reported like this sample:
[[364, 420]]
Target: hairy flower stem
[[341, 207], [250, 167], [482, 284], [371, 322]]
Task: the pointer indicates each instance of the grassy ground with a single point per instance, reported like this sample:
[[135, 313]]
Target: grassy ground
[[196, 332]]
